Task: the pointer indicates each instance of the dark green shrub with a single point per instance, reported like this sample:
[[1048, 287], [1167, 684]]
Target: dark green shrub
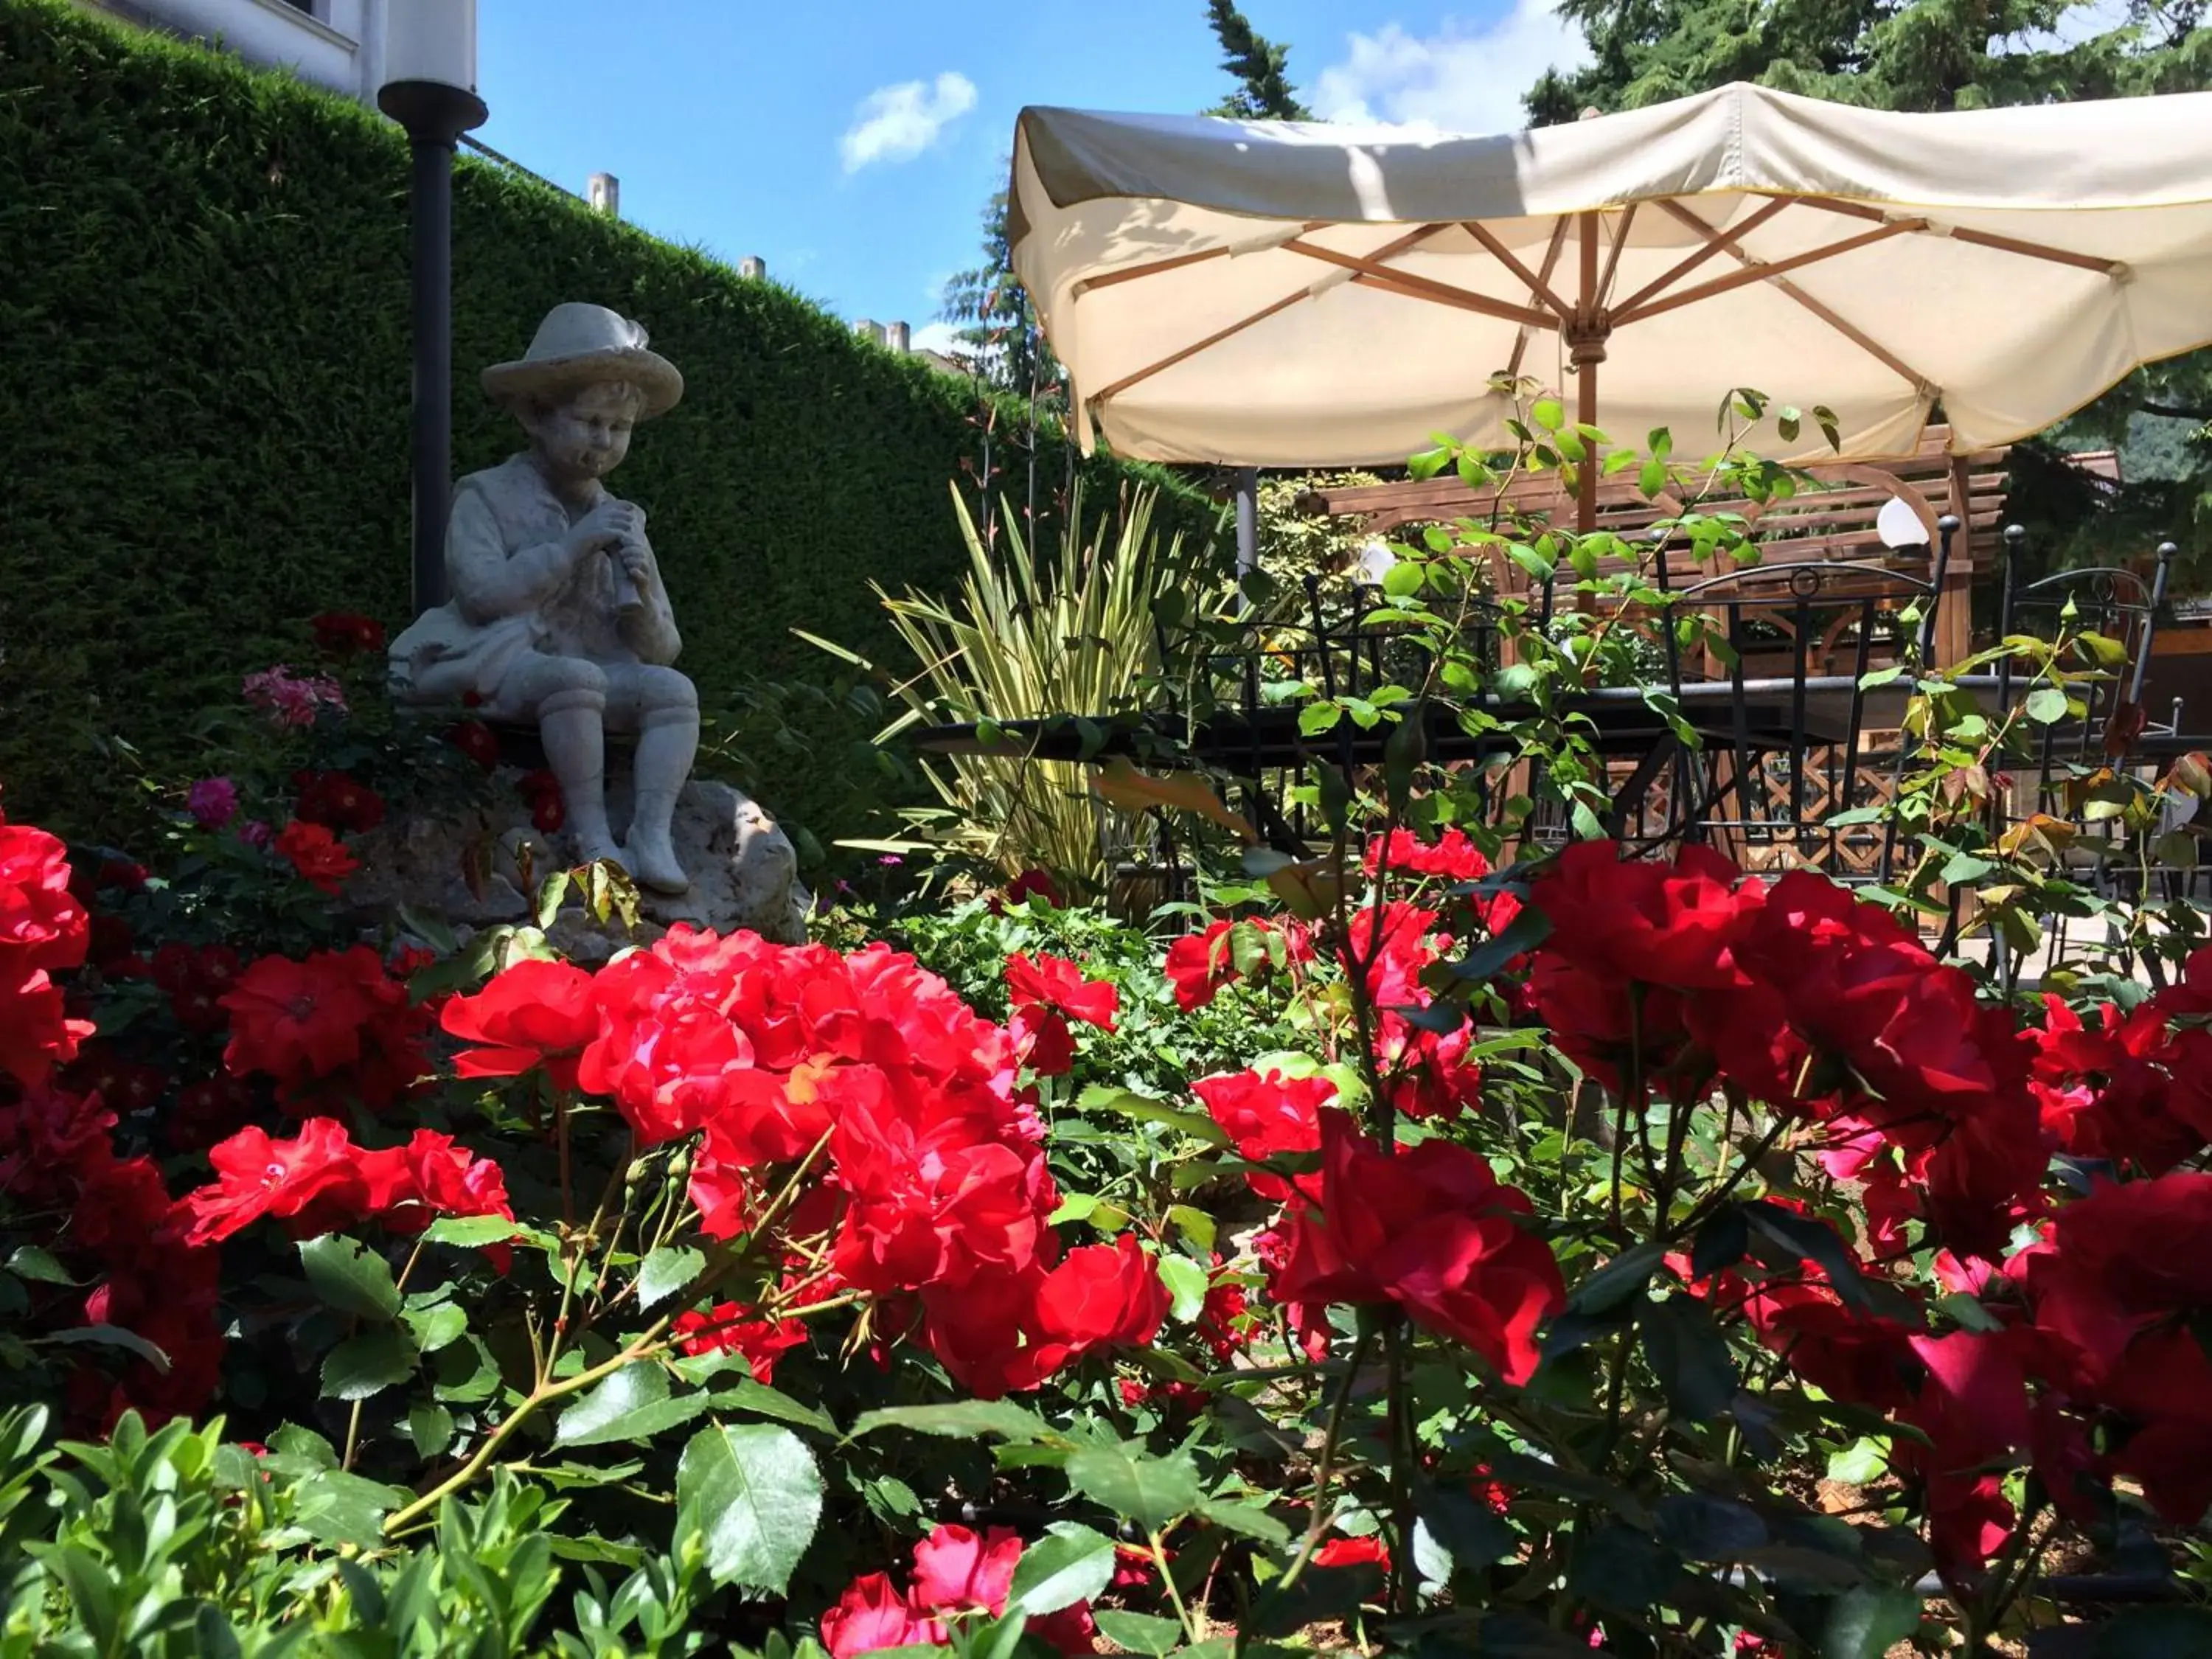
[[205, 376]]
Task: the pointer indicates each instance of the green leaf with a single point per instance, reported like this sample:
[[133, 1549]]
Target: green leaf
[[368, 1364], [1138, 1632], [1152, 1491], [1101, 1097], [1868, 1621], [962, 1419], [29, 1262], [1404, 579], [1486, 960], [1246, 1519], [1617, 1566], [1465, 1527], [666, 1270], [1708, 1529], [632, 1405], [348, 1276], [754, 1494], [2046, 705], [343, 1508], [745, 1395], [110, 1336], [1186, 1283], [431, 1428], [1806, 1239], [1547, 414], [1317, 717], [1961, 869], [1689, 1356], [1860, 1463], [438, 1325], [468, 1231], [2156, 1633], [1619, 1281], [1070, 1563]]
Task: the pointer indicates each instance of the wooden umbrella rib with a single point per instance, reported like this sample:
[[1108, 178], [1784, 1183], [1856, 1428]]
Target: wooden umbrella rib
[[1683, 268], [1194, 348], [1551, 259], [1848, 330], [1612, 255], [1761, 273], [1373, 274], [1536, 283], [1978, 238], [1387, 251], [1158, 267]]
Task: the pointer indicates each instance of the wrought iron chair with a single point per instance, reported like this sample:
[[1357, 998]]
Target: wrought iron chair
[[1773, 679]]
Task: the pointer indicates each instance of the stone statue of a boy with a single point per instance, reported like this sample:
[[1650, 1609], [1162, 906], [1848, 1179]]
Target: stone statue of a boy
[[558, 615]]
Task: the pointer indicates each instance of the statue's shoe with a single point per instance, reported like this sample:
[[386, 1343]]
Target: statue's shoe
[[652, 863], [600, 849]]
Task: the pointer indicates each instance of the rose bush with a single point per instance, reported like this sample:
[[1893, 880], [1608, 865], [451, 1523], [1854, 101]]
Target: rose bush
[[1606, 1252]]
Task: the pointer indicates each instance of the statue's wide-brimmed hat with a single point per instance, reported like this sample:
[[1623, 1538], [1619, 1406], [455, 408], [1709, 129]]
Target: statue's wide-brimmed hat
[[579, 345]]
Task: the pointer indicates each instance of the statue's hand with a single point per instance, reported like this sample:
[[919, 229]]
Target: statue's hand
[[637, 564], [610, 524]]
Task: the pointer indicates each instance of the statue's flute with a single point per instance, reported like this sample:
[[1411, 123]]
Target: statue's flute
[[626, 596]]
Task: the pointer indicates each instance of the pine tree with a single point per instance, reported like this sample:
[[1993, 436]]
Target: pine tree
[[1261, 68], [998, 324]]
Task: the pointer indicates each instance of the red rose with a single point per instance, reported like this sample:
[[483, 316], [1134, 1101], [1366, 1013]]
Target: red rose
[[730, 1327], [1671, 925], [1101, 1296], [1266, 1116], [666, 1051], [1200, 964], [1031, 884], [315, 852], [871, 1616], [533, 1013], [315, 1175], [1055, 982], [1354, 1552], [1451, 857], [337, 1016], [347, 633], [1429, 1228], [478, 741], [956, 1572], [337, 801], [43, 928]]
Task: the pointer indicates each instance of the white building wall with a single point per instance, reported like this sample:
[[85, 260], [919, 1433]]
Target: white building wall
[[337, 44]]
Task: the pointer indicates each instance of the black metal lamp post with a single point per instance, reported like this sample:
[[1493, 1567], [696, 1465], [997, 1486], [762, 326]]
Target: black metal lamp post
[[429, 89]]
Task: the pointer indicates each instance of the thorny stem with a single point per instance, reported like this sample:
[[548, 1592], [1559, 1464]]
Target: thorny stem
[[547, 1390], [1404, 1578], [1324, 1467], [353, 1419], [1175, 1595]]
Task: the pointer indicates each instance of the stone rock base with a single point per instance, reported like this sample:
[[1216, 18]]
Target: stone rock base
[[478, 869]]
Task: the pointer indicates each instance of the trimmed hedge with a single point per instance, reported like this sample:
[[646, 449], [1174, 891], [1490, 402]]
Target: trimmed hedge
[[204, 387]]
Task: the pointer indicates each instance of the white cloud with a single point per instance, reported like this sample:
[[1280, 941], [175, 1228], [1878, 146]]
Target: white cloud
[[1458, 80], [896, 123]]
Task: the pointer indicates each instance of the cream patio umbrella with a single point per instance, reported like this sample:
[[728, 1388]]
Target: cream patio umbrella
[[1303, 294]]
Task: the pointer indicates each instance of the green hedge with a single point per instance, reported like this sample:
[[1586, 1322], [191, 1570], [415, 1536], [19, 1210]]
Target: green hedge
[[204, 391]]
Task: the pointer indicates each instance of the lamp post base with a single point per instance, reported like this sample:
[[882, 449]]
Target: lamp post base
[[434, 116]]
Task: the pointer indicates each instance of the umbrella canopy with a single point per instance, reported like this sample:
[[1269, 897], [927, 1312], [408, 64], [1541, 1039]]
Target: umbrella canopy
[[1275, 294]]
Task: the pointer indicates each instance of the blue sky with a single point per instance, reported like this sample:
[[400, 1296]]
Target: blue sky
[[852, 144]]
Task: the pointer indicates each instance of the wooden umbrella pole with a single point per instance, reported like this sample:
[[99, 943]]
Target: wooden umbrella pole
[[1586, 342]]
